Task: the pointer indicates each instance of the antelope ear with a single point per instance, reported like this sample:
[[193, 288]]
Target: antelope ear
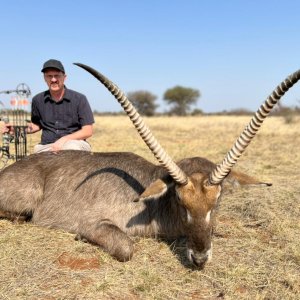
[[239, 178], [155, 190]]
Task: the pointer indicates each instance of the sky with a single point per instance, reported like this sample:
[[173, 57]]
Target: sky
[[234, 52]]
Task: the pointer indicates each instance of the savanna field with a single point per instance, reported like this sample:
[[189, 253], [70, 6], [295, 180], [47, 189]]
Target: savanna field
[[256, 243]]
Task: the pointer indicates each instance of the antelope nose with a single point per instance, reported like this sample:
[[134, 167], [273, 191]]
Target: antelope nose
[[199, 260]]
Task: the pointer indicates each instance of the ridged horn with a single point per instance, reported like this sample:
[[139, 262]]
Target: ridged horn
[[161, 155], [222, 170]]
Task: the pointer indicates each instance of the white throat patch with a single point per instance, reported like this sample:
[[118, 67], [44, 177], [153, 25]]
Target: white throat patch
[[189, 217], [207, 218]]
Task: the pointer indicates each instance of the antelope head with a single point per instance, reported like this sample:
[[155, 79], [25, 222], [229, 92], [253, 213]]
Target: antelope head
[[200, 201], [197, 193]]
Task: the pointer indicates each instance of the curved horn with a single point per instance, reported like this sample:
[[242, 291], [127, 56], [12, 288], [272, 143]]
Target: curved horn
[[177, 174], [222, 170]]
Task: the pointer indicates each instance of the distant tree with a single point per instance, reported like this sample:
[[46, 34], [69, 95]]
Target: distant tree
[[143, 101], [197, 112], [181, 98]]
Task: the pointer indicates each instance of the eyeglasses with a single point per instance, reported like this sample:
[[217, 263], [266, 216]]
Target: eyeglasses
[[56, 76]]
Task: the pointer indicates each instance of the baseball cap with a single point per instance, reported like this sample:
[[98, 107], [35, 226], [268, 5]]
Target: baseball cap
[[53, 63]]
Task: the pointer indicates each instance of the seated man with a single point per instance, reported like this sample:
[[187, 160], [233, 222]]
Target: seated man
[[63, 115]]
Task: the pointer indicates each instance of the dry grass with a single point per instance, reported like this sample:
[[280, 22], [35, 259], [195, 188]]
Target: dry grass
[[256, 243]]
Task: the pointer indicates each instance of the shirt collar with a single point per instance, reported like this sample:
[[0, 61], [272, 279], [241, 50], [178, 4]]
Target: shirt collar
[[67, 95]]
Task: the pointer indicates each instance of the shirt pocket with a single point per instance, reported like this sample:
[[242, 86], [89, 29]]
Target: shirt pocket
[[68, 116]]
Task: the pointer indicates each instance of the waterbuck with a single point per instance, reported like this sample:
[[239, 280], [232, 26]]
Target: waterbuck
[[105, 198]]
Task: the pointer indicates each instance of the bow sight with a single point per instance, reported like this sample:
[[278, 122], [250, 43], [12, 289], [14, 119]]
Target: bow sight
[[18, 111]]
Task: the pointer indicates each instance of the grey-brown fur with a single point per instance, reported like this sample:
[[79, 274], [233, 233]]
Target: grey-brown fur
[[97, 196]]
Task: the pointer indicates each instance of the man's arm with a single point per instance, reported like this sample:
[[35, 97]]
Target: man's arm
[[9, 128], [82, 134], [32, 128]]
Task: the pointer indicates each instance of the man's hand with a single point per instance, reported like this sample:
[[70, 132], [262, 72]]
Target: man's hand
[[57, 146], [7, 128], [82, 134]]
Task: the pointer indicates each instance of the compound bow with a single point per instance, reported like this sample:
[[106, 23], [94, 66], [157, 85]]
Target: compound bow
[[19, 123]]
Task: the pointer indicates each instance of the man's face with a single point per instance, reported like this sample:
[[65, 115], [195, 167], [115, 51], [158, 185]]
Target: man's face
[[55, 79]]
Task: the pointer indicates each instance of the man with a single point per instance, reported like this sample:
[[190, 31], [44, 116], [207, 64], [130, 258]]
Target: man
[[63, 115]]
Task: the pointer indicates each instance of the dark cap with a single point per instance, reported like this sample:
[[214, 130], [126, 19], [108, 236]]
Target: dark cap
[[54, 64]]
